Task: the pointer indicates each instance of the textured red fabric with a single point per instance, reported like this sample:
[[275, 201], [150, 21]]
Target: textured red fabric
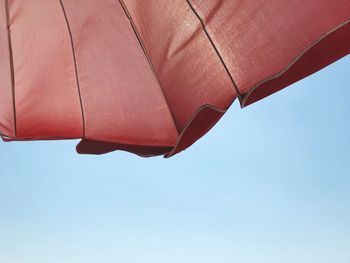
[[152, 77]]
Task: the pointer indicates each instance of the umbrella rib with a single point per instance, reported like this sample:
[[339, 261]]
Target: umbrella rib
[[214, 46], [75, 65], [12, 68], [121, 2]]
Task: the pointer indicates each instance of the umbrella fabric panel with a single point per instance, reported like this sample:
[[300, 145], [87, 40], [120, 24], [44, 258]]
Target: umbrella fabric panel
[[332, 47], [202, 121], [187, 66], [7, 123], [259, 39], [45, 89], [122, 100], [197, 87], [98, 147]]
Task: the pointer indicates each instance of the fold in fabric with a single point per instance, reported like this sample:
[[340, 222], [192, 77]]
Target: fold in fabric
[[152, 77]]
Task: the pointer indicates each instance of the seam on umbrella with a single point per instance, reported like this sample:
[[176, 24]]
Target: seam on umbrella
[[75, 64], [138, 36], [214, 46], [12, 67]]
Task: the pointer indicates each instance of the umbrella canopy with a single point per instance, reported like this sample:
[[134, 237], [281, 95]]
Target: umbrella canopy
[[151, 77]]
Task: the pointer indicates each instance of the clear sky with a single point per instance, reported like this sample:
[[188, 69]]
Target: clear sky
[[270, 183]]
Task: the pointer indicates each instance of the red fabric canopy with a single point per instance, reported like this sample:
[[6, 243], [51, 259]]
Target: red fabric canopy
[[151, 77]]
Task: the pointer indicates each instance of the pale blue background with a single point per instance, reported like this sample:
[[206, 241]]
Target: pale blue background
[[270, 183]]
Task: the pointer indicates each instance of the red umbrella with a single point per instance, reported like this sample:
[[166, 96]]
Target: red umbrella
[[151, 77]]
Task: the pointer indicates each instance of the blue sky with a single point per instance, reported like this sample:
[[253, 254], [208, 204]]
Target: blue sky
[[270, 183]]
